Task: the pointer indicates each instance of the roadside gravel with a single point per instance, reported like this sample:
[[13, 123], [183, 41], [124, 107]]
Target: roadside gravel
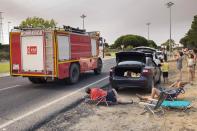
[[86, 117]]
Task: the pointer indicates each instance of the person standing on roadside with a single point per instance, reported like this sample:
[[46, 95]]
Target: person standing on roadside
[[179, 63], [190, 64], [195, 60], [165, 69]]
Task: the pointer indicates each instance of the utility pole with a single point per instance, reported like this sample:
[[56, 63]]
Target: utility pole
[[9, 31], [148, 24], [9, 27], [169, 5], [1, 28], [103, 42], [83, 17]]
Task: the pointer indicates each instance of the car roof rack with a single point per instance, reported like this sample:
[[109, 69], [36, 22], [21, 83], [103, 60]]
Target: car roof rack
[[28, 28], [65, 28]]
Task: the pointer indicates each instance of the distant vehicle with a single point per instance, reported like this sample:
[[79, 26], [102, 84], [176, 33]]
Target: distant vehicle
[[160, 55], [42, 54], [148, 50], [134, 70]]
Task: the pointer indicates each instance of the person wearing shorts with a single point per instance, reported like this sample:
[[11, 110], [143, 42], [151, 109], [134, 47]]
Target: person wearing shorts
[[179, 63], [111, 95], [191, 69], [156, 91], [195, 59], [165, 69]]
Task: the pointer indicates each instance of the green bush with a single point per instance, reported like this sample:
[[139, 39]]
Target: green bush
[[132, 40], [128, 48], [4, 55], [107, 54]]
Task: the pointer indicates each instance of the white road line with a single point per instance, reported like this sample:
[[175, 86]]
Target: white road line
[[48, 104], [9, 87]]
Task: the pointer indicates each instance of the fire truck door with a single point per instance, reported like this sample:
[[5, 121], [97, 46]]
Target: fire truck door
[[32, 53]]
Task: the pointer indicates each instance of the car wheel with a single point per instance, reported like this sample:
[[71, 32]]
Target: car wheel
[[74, 74], [159, 81], [150, 86]]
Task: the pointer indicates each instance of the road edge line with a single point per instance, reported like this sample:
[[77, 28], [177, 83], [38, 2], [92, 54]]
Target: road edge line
[[10, 87]]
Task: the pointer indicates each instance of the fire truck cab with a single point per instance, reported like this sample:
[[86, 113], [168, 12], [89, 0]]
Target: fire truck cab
[[42, 54]]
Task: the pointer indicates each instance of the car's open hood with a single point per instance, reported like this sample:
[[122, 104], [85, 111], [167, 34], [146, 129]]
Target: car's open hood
[[130, 56]]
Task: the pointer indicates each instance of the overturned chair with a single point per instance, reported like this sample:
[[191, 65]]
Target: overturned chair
[[172, 94], [99, 101], [154, 105]]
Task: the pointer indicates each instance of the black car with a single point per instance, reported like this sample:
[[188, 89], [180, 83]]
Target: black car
[[148, 50], [134, 70]]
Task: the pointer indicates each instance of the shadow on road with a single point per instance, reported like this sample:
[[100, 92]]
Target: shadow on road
[[132, 91], [85, 79]]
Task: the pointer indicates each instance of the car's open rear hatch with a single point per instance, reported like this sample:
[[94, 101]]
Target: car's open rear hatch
[[130, 56]]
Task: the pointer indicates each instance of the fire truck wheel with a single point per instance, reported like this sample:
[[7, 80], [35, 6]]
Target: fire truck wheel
[[99, 67], [74, 73], [37, 80]]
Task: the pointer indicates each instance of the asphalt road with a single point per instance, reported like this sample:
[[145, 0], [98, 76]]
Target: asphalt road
[[19, 98]]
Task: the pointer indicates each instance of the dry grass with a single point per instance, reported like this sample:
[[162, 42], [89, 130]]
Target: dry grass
[[4, 67]]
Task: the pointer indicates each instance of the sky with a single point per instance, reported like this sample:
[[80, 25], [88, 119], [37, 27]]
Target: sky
[[112, 18]]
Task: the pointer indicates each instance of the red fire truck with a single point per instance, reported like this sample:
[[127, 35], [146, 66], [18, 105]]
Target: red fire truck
[[42, 54]]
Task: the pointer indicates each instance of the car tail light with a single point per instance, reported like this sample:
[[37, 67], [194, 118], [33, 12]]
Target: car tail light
[[146, 72]]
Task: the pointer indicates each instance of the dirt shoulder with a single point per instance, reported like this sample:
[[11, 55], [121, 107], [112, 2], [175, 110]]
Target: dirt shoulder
[[87, 117]]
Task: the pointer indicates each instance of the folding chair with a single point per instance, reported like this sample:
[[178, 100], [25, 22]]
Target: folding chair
[[172, 94], [177, 104], [161, 102], [100, 100], [154, 105]]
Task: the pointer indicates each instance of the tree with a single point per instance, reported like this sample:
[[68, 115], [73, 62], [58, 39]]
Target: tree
[[37, 22], [152, 44], [190, 39], [118, 42], [132, 41], [128, 48], [169, 44], [129, 40], [106, 45], [184, 41], [1, 46]]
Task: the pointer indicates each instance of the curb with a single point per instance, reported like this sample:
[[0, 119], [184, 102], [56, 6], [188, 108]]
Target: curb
[[66, 108], [4, 74]]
